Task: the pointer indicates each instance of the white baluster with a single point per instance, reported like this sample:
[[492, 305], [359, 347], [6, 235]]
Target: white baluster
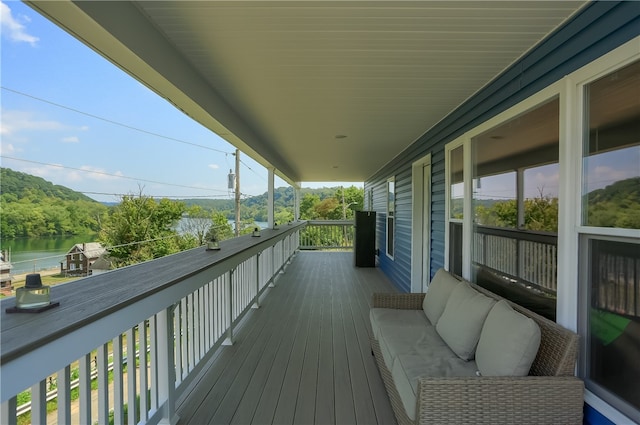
[[64, 395]]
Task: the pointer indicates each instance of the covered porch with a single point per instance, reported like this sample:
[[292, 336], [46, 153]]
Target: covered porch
[[303, 357]]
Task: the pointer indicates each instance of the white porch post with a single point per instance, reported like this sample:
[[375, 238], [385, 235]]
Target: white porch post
[[270, 196], [296, 206]]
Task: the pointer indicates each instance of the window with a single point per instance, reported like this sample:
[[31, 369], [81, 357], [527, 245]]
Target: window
[[514, 245], [391, 207], [611, 165], [610, 253]]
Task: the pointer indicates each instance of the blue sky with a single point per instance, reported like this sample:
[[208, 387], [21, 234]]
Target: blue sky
[[56, 95]]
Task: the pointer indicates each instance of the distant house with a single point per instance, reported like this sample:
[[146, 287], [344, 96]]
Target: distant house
[[85, 259], [5, 272]]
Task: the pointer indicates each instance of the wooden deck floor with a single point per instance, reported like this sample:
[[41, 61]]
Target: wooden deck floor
[[303, 357]]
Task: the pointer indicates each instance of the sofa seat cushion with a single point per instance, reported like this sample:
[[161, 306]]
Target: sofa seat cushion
[[432, 362], [435, 300], [508, 343], [462, 319], [423, 340], [397, 331]]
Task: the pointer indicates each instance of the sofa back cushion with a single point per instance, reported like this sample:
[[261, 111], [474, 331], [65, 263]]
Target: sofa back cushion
[[462, 319], [508, 344], [435, 300]]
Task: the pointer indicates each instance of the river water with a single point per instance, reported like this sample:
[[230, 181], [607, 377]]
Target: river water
[[30, 255]]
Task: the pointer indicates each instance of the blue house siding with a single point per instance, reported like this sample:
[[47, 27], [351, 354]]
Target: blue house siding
[[592, 32], [596, 30]]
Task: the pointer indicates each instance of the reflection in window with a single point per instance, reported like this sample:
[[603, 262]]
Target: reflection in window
[[611, 168], [456, 182], [614, 319], [495, 200], [541, 198], [456, 207], [514, 244], [391, 207]]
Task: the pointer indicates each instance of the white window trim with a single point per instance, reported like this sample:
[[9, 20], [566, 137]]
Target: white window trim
[[575, 86], [449, 147], [417, 214]]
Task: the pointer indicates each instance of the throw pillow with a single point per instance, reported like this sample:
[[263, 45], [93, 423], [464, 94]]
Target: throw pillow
[[508, 343], [462, 320], [435, 300]]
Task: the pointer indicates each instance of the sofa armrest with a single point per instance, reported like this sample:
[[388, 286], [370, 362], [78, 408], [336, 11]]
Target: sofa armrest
[[500, 400], [399, 301]]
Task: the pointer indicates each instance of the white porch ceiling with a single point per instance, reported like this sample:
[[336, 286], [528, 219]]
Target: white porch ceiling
[[280, 80]]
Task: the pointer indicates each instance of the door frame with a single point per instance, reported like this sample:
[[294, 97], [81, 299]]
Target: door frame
[[420, 223]]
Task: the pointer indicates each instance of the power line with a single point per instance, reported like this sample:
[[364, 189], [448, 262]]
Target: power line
[[253, 171], [161, 196], [109, 174], [113, 122]]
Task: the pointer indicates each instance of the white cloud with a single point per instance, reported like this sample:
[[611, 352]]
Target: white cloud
[[60, 175], [7, 148], [71, 139], [16, 121], [99, 174], [214, 166], [13, 28]]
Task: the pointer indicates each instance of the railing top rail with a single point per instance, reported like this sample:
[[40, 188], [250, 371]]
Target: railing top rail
[[330, 222], [87, 300]]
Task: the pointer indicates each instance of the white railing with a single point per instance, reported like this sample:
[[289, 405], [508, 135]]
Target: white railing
[[327, 234], [181, 307]]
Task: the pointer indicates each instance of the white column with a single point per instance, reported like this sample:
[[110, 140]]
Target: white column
[[270, 196], [296, 207]]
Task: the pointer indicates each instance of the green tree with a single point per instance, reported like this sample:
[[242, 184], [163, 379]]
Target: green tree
[[351, 199], [220, 228], [328, 209], [307, 204], [141, 228]]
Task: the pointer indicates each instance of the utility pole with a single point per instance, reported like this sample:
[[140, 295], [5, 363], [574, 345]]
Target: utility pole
[[237, 192]]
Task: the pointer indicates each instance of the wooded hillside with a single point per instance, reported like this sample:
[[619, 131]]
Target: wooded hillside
[[32, 207]]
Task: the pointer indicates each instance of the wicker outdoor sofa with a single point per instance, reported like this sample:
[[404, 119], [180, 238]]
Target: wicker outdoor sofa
[[428, 383]]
